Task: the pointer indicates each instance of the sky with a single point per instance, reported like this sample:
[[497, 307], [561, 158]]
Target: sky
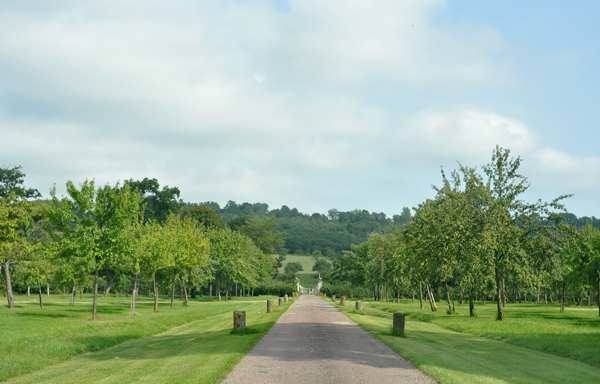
[[315, 104]]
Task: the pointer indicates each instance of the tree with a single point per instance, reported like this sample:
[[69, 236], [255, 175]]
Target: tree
[[322, 266], [203, 216], [94, 224], [588, 257], [263, 232], [16, 219], [509, 217], [293, 268], [159, 203], [188, 248], [11, 180]]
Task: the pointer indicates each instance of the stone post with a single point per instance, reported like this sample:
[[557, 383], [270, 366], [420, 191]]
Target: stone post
[[285, 298], [324, 295], [239, 320], [281, 301], [333, 297], [343, 300], [359, 305], [270, 305], [399, 319]]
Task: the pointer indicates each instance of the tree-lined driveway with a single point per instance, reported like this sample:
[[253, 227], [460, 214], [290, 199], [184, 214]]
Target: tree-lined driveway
[[314, 343]]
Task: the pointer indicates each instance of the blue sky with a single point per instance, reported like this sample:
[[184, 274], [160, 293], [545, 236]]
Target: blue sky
[[314, 104]]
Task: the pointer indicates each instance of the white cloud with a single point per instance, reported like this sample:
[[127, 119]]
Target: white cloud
[[235, 100]]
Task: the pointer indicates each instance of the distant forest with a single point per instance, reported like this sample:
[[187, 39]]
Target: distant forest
[[318, 234], [329, 235]]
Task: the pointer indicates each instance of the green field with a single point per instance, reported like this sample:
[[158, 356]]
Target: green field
[[307, 277], [536, 344], [50, 344]]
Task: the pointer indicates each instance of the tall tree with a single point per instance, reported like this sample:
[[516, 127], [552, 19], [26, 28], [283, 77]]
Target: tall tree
[[264, 233], [159, 203]]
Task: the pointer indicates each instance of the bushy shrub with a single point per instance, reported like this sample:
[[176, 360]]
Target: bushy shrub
[[275, 288]]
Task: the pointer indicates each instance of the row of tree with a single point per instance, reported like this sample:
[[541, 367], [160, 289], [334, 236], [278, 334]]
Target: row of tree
[[106, 230], [475, 238]]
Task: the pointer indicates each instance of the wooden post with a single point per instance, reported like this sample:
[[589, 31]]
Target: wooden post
[[359, 305], [281, 301], [399, 319], [343, 300], [270, 305], [239, 320], [285, 298]]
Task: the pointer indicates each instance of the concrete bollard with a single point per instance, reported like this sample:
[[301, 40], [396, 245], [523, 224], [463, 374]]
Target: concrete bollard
[[324, 295], [333, 297], [359, 305], [270, 305], [239, 320], [399, 319], [285, 298], [343, 300], [281, 301]]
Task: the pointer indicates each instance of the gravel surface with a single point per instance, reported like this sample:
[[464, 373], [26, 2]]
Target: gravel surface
[[315, 343]]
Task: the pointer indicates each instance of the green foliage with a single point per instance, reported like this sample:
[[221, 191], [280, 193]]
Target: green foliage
[[322, 266], [275, 288], [203, 216], [11, 181], [159, 203], [294, 267], [264, 233]]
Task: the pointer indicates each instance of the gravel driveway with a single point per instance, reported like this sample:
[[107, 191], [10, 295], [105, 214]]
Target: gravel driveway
[[314, 343]]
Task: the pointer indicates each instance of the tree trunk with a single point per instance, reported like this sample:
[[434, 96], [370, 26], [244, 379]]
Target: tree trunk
[[421, 294], [503, 292], [9, 292], [228, 292], [219, 289], [431, 299], [134, 294], [155, 294], [472, 305], [95, 314], [48, 289], [236, 291], [483, 298], [28, 290], [110, 282], [81, 294], [252, 292], [40, 293], [448, 300], [185, 295], [210, 291], [173, 292], [563, 297], [74, 292], [500, 314], [598, 294]]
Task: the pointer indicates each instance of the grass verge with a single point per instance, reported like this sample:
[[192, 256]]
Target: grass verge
[[453, 357], [34, 339]]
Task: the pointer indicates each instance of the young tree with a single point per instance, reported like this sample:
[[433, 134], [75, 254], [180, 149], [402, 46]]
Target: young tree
[[16, 228], [94, 224]]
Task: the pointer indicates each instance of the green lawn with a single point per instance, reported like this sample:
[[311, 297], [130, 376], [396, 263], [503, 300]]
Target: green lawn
[[307, 277], [523, 349], [47, 342]]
